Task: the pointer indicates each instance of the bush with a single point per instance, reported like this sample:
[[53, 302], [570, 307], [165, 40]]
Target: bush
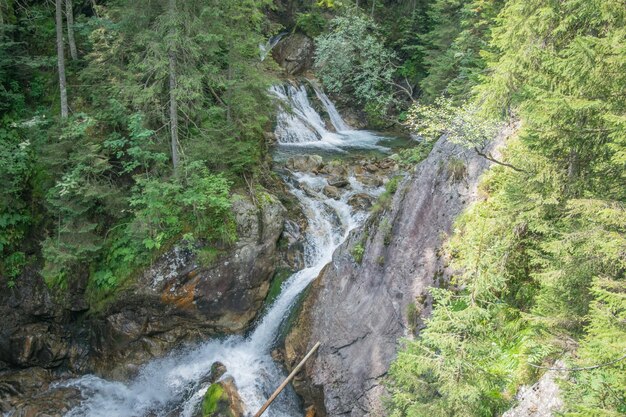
[[311, 24], [196, 204], [357, 252]]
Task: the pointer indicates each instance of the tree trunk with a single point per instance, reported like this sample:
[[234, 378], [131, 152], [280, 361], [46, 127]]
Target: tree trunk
[[69, 15], [373, 4], [173, 101], [229, 76], [94, 7], [61, 60]]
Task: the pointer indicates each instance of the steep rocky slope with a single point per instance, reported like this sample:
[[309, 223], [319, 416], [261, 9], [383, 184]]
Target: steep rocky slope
[[179, 299], [359, 310]]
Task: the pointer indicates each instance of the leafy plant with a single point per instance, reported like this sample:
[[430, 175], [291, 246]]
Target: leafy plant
[[357, 252]]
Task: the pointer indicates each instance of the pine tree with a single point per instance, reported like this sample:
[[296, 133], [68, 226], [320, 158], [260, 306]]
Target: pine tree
[[542, 258]]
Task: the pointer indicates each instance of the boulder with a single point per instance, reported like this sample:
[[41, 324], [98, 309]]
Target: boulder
[[294, 53], [369, 180], [335, 169], [337, 181], [305, 163], [360, 201], [222, 400], [26, 393], [332, 192]]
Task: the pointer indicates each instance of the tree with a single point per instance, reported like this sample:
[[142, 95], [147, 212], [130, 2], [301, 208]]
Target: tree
[[540, 261], [452, 48], [61, 59], [69, 13], [352, 59], [171, 54]]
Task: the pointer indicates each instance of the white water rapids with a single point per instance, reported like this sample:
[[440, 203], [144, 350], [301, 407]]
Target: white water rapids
[[173, 385]]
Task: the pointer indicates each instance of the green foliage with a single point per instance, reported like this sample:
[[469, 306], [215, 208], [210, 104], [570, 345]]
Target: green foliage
[[196, 203], [352, 59], [463, 125], [384, 200], [93, 194], [412, 156], [454, 47], [311, 23], [542, 256], [357, 252]]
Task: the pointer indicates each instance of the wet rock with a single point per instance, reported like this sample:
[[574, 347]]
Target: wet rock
[[360, 201], [183, 297], [305, 163], [294, 53], [26, 393], [373, 168], [277, 355], [334, 169], [337, 181], [359, 310], [291, 246], [35, 344], [388, 164], [222, 400], [332, 192], [369, 180], [218, 369]]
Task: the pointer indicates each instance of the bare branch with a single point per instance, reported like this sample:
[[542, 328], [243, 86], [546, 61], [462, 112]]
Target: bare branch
[[490, 157]]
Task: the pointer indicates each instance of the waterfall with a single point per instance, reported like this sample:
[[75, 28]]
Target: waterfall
[[174, 385], [299, 124], [335, 117], [266, 48]]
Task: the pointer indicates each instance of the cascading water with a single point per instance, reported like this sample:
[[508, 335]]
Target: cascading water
[[174, 385], [266, 48], [299, 125], [334, 115]]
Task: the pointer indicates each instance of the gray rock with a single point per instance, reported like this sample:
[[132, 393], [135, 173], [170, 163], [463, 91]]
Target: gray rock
[[358, 310], [337, 181], [360, 201], [294, 53], [332, 192], [306, 163], [541, 399]]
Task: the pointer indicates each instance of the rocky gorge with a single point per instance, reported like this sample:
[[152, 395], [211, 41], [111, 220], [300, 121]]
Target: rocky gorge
[[189, 293], [372, 293]]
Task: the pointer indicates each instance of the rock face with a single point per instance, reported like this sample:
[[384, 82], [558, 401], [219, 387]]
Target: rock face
[[541, 399], [358, 310], [294, 53], [180, 296], [184, 296]]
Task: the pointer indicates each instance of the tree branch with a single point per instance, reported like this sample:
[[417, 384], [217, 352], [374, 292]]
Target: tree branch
[[490, 157], [584, 368]]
